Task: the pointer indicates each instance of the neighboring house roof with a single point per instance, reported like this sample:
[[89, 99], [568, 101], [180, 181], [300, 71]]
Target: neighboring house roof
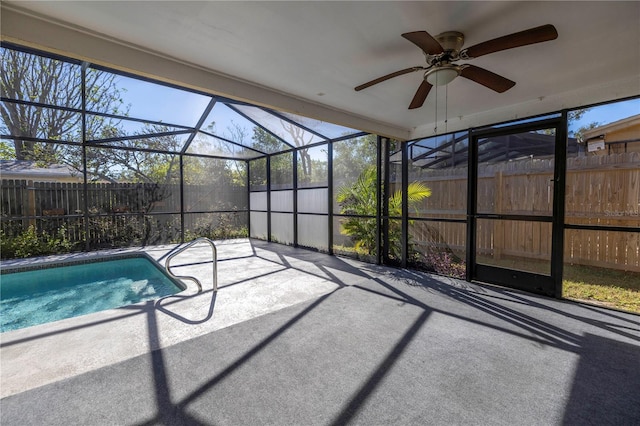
[[624, 124], [29, 170]]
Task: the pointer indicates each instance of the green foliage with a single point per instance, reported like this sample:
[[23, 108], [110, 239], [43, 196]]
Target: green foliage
[[118, 231], [7, 151], [228, 227], [281, 165], [578, 134], [355, 177], [313, 166], [360, 199], [134, 164], [309, 169], [352, 156], [133, 230], [282, 170], [577, 114], [266, 142], [258, 173], [30, 243]]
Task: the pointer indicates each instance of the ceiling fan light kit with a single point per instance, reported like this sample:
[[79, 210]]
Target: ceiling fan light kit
[[445, 48], [442, 75]]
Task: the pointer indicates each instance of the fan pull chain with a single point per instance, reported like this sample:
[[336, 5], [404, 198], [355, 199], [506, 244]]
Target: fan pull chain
[[435, 120], [446, 108]]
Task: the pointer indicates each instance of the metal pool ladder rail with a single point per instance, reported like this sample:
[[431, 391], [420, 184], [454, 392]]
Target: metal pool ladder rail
[[194, 279]]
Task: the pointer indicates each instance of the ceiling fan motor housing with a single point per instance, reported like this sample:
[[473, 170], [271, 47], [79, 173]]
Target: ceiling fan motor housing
[[450, 40]]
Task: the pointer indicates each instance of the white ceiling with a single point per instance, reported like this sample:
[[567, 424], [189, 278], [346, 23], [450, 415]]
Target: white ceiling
[[315, 53]]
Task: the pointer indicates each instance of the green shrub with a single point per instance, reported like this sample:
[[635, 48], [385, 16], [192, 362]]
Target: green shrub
[[226, 228], [30, 243], [360, 199]]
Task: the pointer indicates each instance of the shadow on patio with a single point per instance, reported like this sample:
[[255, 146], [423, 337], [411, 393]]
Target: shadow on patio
[[381, 346]]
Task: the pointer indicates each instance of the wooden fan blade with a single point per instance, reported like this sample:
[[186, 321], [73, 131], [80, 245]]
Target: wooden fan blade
[[522, 38], [387, 77], [487, 78], [421, 95], [424, 41]]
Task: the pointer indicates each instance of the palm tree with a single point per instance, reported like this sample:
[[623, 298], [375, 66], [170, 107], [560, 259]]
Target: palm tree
[[360, 200]]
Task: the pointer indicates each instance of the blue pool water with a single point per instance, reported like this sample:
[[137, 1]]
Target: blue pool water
[[39, 296]]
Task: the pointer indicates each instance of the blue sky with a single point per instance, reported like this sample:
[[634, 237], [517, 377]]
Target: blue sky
[[160, 103], [609, 113]]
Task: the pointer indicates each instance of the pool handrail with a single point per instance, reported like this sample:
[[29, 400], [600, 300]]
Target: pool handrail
[[194, 279]]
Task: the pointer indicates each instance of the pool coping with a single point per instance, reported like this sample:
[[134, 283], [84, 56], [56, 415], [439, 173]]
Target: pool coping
[[12, 269]]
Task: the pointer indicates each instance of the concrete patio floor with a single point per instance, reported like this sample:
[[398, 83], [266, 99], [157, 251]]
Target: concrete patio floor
[[295, 337]]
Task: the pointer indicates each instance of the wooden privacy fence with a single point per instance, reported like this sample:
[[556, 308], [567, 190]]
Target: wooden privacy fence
[[117, 212], [600, 190], [31, 200]]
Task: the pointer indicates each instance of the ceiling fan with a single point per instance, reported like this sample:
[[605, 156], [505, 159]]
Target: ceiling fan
[[442, 50]]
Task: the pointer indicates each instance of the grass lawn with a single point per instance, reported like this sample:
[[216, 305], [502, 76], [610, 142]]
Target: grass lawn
[[600, 286], [606, 287]]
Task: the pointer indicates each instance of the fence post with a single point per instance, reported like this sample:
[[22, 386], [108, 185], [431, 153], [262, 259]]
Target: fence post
[[498, 242], [31, 202]]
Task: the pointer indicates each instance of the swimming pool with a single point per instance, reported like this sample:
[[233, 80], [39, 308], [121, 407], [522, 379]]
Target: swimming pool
[[40, 294]]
